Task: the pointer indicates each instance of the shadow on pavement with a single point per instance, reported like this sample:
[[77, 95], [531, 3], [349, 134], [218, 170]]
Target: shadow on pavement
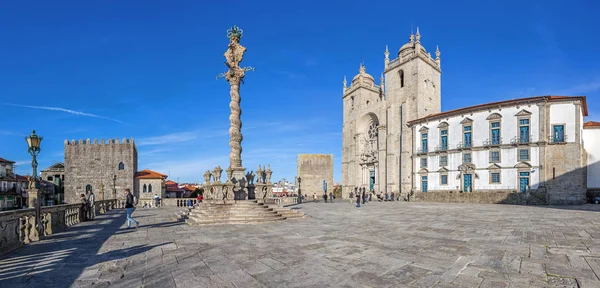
[[60, 259]]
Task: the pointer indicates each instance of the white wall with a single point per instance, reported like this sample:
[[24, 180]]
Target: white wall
[[481, 158], [591, 143], [564, 113]]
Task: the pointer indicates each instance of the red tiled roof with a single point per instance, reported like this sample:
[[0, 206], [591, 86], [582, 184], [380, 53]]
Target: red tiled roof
[[189, 188], [171, 182], [590, 124], [505, 102], [2, 160], [174, 189], [149, 174]]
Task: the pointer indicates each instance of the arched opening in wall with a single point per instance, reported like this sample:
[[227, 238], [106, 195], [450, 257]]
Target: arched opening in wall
[[88, 188], [145, 188], [121, 166], [401, 74], [150, 188]]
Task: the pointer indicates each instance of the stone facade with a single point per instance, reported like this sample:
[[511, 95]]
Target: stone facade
[[312, 170], [149, 183], [377, 145], [94, 164], [504, 146], [385, 126]]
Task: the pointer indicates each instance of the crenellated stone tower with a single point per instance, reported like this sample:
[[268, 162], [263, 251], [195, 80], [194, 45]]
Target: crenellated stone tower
[[376, 144], [94, 165]]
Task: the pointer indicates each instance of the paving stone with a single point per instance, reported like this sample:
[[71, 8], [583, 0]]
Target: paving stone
[[399, 245]]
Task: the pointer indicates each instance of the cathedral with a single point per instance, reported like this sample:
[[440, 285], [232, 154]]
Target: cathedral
[[397, 139]]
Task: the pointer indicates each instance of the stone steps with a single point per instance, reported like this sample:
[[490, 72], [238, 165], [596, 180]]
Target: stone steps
[[243, 212], [231, 221]]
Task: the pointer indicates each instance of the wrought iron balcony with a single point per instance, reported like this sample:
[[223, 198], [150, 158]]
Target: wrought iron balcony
[[441, 148], [557, 140], [464, 145], [488, 142], [421, 150], [521, 140]]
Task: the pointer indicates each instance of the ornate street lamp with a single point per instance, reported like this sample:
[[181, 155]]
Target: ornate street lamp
[[33, 147]]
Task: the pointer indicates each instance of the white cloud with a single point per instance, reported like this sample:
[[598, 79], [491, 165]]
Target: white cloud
[[167, 139], [65, 110]]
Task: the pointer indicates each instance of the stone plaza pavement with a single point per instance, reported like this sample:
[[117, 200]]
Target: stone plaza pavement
[[394, 244]]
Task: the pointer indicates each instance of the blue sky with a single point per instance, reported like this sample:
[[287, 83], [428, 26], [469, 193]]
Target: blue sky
[[146, 69]]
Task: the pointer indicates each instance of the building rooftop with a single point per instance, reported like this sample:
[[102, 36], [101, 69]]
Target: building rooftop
[[149, 174], [493, 105], [591, 124], [2, 160]]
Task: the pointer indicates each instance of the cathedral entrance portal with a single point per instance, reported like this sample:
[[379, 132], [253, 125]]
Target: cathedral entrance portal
[[371, 180]]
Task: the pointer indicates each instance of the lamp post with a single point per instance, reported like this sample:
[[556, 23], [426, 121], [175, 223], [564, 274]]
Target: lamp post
[[299, 191], [115, 186], [33, 147]]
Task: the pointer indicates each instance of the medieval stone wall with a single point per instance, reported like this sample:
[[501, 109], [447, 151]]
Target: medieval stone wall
[[500, 197], [565, 174], [95, 163], [312, 170]]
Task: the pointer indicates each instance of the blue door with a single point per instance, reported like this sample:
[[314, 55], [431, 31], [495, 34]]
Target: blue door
[[523, 181], [424, 183], [467, 183], [371, 180]]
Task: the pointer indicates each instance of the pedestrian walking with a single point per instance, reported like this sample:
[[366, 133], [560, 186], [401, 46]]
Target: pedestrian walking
[[130, 206], [90, 202], [358, 200], [156, 200], [330, 197]]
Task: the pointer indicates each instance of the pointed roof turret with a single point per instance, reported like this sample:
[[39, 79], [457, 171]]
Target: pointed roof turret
[[418, 35]]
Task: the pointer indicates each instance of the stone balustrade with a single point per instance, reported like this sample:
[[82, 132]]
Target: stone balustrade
[[18, 227], [282, 201], [178, 202]]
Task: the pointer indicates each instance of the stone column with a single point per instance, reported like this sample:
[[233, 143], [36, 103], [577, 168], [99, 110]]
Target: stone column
[[381, 178]]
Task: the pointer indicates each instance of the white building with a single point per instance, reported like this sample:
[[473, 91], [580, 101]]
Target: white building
[[392, 137], [515, 146], [591, 138]]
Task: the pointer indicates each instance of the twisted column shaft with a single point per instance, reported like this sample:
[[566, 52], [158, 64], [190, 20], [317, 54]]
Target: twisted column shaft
[[235, 128]]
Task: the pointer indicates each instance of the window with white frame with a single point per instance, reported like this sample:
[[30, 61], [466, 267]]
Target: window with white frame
[[494, 156], [443, 160], [424, 162], [524, 154], [494, 177], [466, 157], [444, 179]]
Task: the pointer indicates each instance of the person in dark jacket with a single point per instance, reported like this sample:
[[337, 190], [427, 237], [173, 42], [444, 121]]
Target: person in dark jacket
[[130, 205]]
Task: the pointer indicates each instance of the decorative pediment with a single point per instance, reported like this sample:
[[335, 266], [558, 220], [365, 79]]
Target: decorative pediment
[[443, 170], [424, 129], [494, 167], [466, 121], [494, 116], [443, 125], [466, 167], [523, 113], [423, 171], [523, 165]]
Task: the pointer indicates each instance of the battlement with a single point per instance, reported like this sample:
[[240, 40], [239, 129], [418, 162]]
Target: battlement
[[102, 142]]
